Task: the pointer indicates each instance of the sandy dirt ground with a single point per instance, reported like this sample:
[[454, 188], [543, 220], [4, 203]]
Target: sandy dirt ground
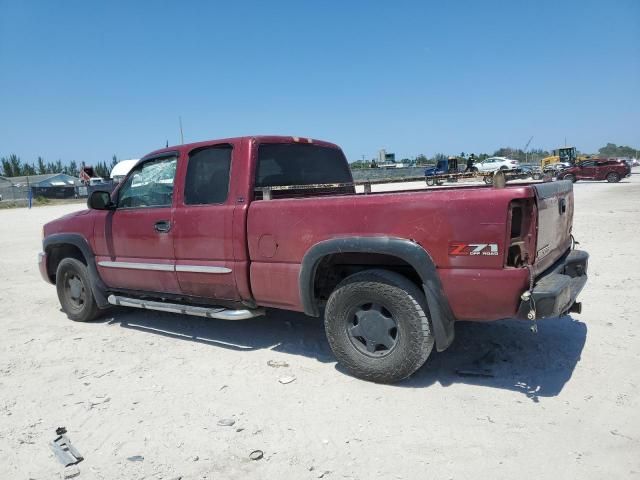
[[150, 395]]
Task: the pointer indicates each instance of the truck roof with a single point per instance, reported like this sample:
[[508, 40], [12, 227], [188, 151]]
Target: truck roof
[[236, 140]]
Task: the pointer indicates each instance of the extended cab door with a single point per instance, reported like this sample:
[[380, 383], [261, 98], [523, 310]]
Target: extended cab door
[[203, 226], [134, 242]]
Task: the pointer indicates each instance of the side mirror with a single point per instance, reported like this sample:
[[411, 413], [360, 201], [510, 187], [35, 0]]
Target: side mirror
[[100, 200]]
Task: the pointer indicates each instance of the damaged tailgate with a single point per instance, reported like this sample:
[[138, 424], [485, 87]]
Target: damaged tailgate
[[555, 216]]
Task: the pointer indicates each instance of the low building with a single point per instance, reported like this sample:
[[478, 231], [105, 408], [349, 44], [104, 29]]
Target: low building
[[50, 185]]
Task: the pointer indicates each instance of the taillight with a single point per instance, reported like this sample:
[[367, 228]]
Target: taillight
[[519, 241]]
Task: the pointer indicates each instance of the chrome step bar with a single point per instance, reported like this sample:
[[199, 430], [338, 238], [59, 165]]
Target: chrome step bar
[[207, 312]]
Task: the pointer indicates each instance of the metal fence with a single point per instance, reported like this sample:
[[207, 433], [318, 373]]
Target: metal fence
[[20, 195], [13, 194]]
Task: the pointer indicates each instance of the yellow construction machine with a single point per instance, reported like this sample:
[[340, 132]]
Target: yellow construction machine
[[563, 155]]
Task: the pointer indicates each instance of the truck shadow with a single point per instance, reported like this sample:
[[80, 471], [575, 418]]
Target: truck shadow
[[503, 354], [507, 355], [282, 331]]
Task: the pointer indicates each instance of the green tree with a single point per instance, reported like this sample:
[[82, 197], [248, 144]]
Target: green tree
[[28, 169], [6, 167], [421, 160], [72, 169], [114, 162], [16, 165], [438, 156], [42, 168], [613, 150], [101, 170]]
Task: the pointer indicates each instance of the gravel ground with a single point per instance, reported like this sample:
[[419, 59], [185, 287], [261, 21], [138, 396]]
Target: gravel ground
[[151, 395]]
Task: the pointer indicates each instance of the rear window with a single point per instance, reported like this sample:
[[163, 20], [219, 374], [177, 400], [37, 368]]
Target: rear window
[[284, 164]]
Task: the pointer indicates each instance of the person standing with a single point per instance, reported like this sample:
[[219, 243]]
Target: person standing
[[470, 161]]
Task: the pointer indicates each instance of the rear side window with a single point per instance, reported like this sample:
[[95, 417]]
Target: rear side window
[[281, 164], [207, 179]]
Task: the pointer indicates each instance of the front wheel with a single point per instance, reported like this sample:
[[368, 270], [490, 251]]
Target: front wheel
[[377, 326], [571, 177], [430, 181], [74, 291], [613, 177], [488, 179]]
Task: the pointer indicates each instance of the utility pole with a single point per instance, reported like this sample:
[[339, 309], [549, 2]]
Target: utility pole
[[181, 134]]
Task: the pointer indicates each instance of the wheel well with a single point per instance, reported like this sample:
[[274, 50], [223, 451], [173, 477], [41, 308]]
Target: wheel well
[[334, 268], [56, 253]]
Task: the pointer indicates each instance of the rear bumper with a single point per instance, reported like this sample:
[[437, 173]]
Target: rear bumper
[[556, 290], [42, 266]]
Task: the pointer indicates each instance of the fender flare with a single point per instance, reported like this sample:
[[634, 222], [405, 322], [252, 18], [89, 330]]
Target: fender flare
[[98, 288], [442, 318]]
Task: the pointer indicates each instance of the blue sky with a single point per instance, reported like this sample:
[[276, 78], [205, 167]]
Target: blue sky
[[82, 80]]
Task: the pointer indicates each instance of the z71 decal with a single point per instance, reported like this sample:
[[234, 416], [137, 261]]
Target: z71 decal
[[470, 249]]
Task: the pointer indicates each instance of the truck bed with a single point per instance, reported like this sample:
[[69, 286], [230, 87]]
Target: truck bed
[[280, 231]]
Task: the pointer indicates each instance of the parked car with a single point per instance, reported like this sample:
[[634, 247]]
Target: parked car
[[493, 164], [631, 162], [531, 170], [610, 170], [226, 228], [555, 168]]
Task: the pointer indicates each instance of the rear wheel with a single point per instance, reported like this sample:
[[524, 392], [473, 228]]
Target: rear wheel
[[613, 177], [430, 181], [74, 291], [488, 179], [377, 326]]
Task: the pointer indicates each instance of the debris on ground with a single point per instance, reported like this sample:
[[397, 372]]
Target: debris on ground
[[287, 379], [256, 455], [226, 422], [277, 363], [136, 458], [98, 400], [64, 451], [71, 471]]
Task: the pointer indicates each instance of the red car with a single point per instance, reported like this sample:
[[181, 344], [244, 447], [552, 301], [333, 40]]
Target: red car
[[225, 228], [597, 169]]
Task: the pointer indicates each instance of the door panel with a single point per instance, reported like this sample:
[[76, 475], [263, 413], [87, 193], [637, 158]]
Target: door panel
[[203, 227], [587, 171], [134, 243]]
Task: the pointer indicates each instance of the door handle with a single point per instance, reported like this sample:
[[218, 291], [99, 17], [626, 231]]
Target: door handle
[[162, 226]]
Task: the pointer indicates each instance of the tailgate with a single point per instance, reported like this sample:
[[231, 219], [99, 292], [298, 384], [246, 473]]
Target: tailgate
[[555, 217]]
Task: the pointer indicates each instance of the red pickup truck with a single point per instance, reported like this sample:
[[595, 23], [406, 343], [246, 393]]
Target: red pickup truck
[[225, 228]]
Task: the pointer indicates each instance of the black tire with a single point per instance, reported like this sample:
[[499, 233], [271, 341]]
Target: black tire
[[430, 181], [74, 291], [392, 307], [488, 179], [613, 177], [570, 176]]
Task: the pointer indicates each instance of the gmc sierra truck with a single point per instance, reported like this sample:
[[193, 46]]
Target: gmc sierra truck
[[226, 228]]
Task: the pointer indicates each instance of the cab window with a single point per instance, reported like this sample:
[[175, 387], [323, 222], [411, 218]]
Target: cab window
[[149, 184], [207, 180]]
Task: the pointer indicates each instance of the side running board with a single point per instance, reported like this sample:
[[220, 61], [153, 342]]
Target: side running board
[[208, 312]]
